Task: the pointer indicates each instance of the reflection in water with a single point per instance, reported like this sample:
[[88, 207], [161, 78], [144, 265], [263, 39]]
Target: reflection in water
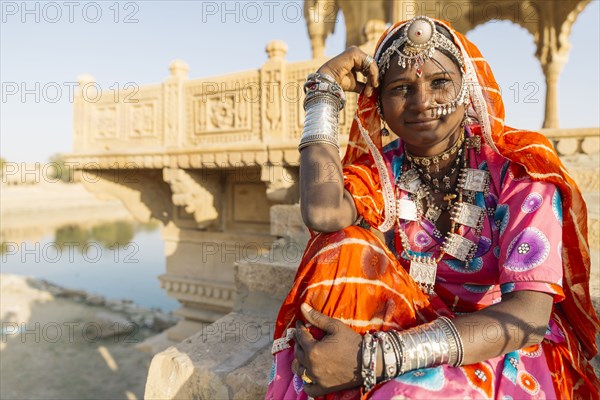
[[109, 235], [119, 260]]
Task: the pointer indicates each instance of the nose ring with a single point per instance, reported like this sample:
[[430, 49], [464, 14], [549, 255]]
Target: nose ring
[[434, 105]]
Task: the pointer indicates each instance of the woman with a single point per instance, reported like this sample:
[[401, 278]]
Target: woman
[[481, 288]]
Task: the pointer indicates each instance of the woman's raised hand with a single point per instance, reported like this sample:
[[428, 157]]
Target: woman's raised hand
[[345, 66], [332, 363]]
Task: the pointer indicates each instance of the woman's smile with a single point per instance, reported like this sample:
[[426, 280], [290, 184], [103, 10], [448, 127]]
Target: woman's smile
[[422, 124]]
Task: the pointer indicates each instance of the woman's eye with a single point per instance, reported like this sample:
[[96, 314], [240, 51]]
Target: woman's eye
[[440, 82], [400, 88]]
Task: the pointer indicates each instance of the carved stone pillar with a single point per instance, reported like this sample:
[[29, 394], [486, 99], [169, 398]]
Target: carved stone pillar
[[372, 31], [320, 16], [552, 70], [173, 97], [552, 40], [195, 274]]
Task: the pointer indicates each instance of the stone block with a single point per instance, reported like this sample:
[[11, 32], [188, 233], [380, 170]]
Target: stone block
[[286, 222], [250, 381], [108, 324], [169, 375], [262, 286], [229, 359]]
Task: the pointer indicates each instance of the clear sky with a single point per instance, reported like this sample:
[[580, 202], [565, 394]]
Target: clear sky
[[48, 44]]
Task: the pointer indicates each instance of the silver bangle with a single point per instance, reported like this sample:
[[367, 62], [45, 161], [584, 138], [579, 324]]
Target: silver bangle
[[397, 345], [324, 83], [369, 361], [321, 97], [320, 123], [430, 344], [390, 357], [457, 350], [317, 141], [321, 76]]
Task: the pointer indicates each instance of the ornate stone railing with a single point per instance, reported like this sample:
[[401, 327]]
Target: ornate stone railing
[[243, 119], [571, 141]]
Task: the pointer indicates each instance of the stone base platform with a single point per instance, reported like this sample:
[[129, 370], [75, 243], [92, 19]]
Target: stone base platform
[[231, 358]]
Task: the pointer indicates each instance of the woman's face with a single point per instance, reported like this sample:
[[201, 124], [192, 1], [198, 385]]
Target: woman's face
[[408, 103]]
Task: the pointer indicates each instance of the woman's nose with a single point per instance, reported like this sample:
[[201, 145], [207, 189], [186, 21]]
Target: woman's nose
[[421, 98]]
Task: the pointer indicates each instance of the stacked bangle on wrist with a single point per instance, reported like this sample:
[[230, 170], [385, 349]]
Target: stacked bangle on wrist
[[369, 361], [423, 346], [323, 83], [324, 99], [390, 356]]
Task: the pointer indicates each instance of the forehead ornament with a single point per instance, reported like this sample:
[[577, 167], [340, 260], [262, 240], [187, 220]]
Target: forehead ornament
[[416, 45]]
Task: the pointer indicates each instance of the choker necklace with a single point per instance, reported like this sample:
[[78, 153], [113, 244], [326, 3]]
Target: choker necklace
[[434, 183], [423, 268], [435, 160]]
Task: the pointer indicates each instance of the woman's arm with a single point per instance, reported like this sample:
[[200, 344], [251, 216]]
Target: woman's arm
[[326, 206], [518, 321]]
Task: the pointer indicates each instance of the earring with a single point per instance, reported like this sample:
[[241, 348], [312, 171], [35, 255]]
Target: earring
[[384, 129], [379, 109]]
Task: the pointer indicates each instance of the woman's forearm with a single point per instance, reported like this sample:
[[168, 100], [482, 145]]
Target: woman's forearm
[[518, 321], [325, 205]]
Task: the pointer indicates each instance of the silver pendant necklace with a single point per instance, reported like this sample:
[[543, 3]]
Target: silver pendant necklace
[[423, 269]]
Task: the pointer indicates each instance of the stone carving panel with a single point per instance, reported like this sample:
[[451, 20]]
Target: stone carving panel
[[143, 120], [105, 119], [172, 111], [225, 112], [273, 100], [143, 114]]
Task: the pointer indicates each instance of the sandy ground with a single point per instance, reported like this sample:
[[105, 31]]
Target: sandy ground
[[51, 348]]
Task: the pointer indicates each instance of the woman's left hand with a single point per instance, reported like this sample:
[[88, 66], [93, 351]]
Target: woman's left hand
[[332, 363]]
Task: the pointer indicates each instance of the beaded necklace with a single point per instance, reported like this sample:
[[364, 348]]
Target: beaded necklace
[[463, 212]]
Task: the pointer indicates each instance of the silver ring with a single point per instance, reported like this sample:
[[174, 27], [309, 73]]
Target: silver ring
[[366, 64]]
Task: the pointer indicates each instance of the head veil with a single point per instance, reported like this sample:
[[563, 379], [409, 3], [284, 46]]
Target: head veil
[[531, 150]]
